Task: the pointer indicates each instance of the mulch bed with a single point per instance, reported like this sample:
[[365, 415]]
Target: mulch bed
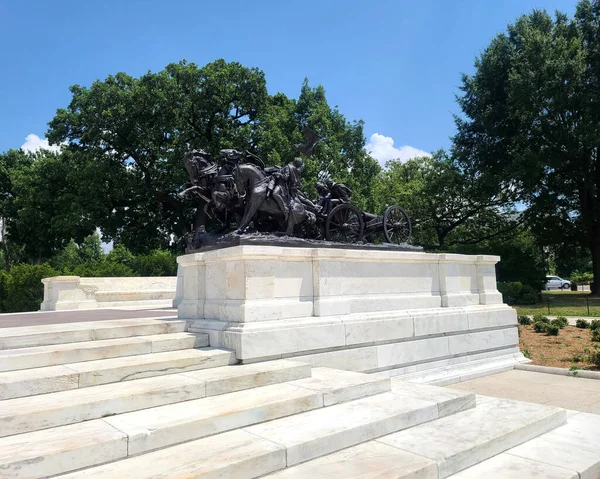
[[571, 348]]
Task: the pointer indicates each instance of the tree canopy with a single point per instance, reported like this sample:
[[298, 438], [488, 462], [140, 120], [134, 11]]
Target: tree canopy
[[522, 172], [128, 136], [449, 205], [531, 122]]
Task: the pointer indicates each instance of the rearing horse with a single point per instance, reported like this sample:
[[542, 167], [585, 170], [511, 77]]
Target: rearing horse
[[251, 183]]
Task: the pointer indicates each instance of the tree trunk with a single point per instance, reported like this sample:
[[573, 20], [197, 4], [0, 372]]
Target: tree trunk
[[595, 250], [5, 245], [590, 215]]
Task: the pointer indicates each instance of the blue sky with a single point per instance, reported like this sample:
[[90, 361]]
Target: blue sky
[[396, 64]]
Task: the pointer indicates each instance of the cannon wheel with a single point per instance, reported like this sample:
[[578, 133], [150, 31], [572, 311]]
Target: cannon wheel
[[345, 224], [396, 225]]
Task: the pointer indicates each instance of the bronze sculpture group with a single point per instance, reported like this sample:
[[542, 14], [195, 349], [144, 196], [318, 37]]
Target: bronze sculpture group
[[237, 188]]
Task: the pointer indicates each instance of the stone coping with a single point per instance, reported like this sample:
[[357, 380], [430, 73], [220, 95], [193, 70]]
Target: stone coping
[[580, 373], [301, 254]]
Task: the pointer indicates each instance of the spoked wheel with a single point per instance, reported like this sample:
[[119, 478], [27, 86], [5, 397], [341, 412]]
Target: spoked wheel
[[344, 224], [396, 225]]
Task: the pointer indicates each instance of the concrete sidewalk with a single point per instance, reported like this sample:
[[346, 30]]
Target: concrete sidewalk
[[551, 389]]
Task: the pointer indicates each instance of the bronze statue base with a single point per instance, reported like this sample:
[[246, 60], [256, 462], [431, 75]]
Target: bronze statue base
[[211, 241]]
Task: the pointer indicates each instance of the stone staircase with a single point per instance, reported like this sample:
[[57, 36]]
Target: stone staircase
[[143, 398]]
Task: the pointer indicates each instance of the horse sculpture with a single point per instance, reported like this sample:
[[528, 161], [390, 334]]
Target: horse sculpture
[[251, 184], [237, 187]]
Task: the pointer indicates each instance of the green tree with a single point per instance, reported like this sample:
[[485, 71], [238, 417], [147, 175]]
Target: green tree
[[120, 254], [10, 162], [90, 249], [48, 211], [531, 122], [447, 204], [341, 153], [129, 134], [67, 259], [127, 137], [22, 288], [157, 263]]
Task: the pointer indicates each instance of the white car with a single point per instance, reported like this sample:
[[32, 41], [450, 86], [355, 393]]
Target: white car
[[554, 282]]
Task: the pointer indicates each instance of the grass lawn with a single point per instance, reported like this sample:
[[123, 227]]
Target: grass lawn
[[563, 303], [570, 349]]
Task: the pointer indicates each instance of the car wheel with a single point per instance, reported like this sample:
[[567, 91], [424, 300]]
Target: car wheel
[[566, 286]]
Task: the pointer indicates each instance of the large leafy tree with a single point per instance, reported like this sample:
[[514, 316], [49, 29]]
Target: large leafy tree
[[47, 210], [129, 135], [531, 122], [10, 163], [341, 153], [448, 204]]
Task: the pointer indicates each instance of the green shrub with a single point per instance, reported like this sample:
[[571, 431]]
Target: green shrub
[[540, 326], [578, 277], [582, 324], [515, 292], [120, 254], [510, 291], [103, 270], [552, 330], [595, 358], [561, 322], [528, 295], [524, 320], [596, 335], [157, 263], [22, 288], [540, 318], [595, 324]]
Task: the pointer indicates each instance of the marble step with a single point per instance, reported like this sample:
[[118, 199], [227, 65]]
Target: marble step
[[370, 460], [271, 446], [29, 382], [324, 431], [569, 451], [52, 355], [68, 407], [47, 334], [164, 426], [455, 373], [438, 448], [230, 455], [461, 440], [374, 460]]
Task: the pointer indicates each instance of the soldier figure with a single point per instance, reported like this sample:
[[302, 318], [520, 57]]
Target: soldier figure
[[331, 195], [284, 185]]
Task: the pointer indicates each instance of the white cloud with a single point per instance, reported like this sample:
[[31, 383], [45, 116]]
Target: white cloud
[[382, 148], [34, 143]]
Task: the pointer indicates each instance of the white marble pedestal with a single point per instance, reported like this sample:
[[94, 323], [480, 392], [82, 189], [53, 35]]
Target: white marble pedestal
[[365, 310]]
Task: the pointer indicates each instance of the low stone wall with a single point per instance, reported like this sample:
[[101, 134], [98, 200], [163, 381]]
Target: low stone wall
[[392, 312], [73, 292]]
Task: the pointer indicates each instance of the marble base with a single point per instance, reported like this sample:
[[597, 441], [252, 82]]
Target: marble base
[[366, 310]]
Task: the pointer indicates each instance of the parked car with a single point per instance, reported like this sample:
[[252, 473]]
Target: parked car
[[554, 282]]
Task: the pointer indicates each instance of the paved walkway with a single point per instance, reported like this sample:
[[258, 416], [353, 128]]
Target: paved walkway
[[562, 391], [11, 320]]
